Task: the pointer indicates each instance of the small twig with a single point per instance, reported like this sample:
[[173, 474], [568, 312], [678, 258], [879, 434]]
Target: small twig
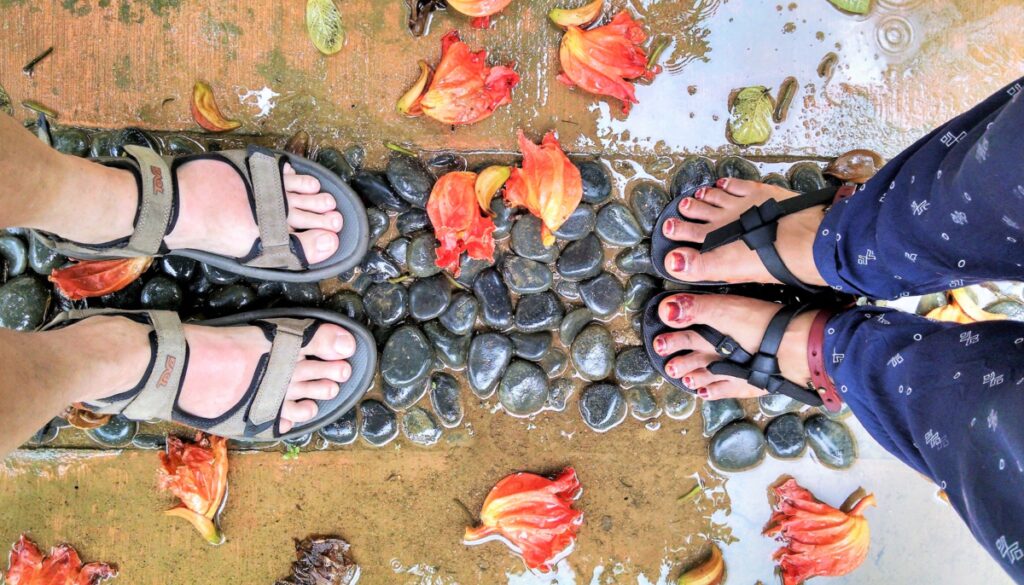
[[691, 494], [659, 47], [39, 108], [29, 68], [399, 148]]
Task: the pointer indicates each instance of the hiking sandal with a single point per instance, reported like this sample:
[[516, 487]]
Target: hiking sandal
[[760, 370], [276, 255], [256, 415], [757, 227]]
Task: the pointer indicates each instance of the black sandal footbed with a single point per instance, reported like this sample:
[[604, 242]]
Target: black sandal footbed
[[759, 369], [757, 227]]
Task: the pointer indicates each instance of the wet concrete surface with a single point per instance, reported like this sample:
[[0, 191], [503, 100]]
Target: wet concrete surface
[[907, 66]]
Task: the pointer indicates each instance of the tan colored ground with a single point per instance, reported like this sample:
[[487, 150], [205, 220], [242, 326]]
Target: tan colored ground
[[117, 61]]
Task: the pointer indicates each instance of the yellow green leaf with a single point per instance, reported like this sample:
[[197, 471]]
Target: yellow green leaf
[[323, 21], [751, 121]]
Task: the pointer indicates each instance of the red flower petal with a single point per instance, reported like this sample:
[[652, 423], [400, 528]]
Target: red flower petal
[[533, 515], [197, 473], [606, 60], [28, 566], [464, 89], [94, 278], [818, 540], [459, 224], [548, 184]]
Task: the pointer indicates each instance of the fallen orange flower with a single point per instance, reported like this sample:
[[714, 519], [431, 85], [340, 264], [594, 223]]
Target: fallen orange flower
[[459, 224], [548, 184], [28, 566], [533, 515], [464, 89], [205, 111], [480, 10], [819, 540], [95, 278], [197, 473], [606, 60]]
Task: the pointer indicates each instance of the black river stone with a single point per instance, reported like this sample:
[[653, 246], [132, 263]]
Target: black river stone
[[495, 302], [694, 172], [374, 189], [579, 223], [785, 436], [460, 316], [635, 259], [451, 349], [444, 397], [231, 299], [523, 390], [527, 242], [379, 223], [179, 268], [531, 346], [420, 427], [489, 354], [412, 221], [581, 259], [502, 218], [429, 297], [524, 276], [379, 425], [398, 250], [602, 295], [162, 293], [421, 257], [409, 178], [639, 289], [573, 323], [219, 276], [407, 357], [342, 431], [737, 447], [633, 368], [593, 352], [379, 267], [539, 312], [554, 363], [647, 201], [597, 185], [718, 413], [616, 225], [347, 303], [831, 441], [43, 260], [602, 407], [740, 168], [386, 303]]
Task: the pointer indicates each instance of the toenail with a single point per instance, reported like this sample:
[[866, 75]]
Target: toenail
[[324, 243], [677, 308], [688, 381], [341, 343], [671, 371], [686, 203], [334, 391], [677, 262], [659, 345], [702, 392], [700, 193], [336, 222], [722, 183], [327, 201]]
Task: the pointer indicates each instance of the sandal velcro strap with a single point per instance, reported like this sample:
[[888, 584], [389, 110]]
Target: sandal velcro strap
[[156, 201], [276, 248], [284, 354]]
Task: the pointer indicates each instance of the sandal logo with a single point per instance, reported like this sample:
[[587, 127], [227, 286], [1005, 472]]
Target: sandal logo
[[165, 377], [158, 179]]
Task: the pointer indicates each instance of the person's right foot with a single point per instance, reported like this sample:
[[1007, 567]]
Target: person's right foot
[[735, 262], [743, 319]]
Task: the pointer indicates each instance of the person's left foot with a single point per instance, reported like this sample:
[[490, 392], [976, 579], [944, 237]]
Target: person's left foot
[[736, 263], [743, 319]]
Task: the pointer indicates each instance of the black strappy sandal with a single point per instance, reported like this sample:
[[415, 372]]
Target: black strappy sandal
[[757, 227], [760, 370]]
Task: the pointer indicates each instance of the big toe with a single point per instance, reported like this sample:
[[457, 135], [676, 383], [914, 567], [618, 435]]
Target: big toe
[[318, 244]]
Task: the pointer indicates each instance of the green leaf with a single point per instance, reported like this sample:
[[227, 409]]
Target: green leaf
[[5, 102], [751, 121], [292, 452], [323, 21], [854, 6]]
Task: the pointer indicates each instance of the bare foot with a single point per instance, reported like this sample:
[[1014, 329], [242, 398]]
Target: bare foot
[[735, 262], [222, 361], [743, 319]]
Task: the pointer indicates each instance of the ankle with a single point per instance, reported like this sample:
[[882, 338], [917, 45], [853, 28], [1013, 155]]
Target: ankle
[[91, 203]]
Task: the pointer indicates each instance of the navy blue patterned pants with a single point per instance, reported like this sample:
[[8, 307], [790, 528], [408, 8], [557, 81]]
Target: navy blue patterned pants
[[947, 399]]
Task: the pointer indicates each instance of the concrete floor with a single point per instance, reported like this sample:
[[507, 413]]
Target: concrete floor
[[908, 66]]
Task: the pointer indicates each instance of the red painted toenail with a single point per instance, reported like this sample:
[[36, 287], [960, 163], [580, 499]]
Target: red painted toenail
[[722, 183], [677, 262], [702, 392], [688, 381], [699, 194], [659, 345], [686, 203]]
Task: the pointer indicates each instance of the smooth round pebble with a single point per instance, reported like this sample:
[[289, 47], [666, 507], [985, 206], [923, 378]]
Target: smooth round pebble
[[579, 223], [398, 250], [527, 241], [694, 172], [597, 185], [581, 259], [554, 362], [635, 259], [737, 447], [559, 392], [460, 316], [495, 302], [409, 178], [429, 297], [379, 425], [451, 349], [342, 431], [420, 427], [639, 289], [616, 226], [776, 404], [573, 323], [489, 355], [593, 352], [406, 358], [633, 368], [379, 266], [603, 295], [379, 222], [568, 290], [23, 303], [524, 276], [785, 436], [347, 303], [502, 218], [374, 189], [421, 257], [642, 404], [444, 397], [402, 397], [539, 312], [718, 413], [602, 407], [831, 441], [386, 303], [523, 390], [647, 201], [118, 432], [412, 221], [161, 293], [679, 404], [531, 346]]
